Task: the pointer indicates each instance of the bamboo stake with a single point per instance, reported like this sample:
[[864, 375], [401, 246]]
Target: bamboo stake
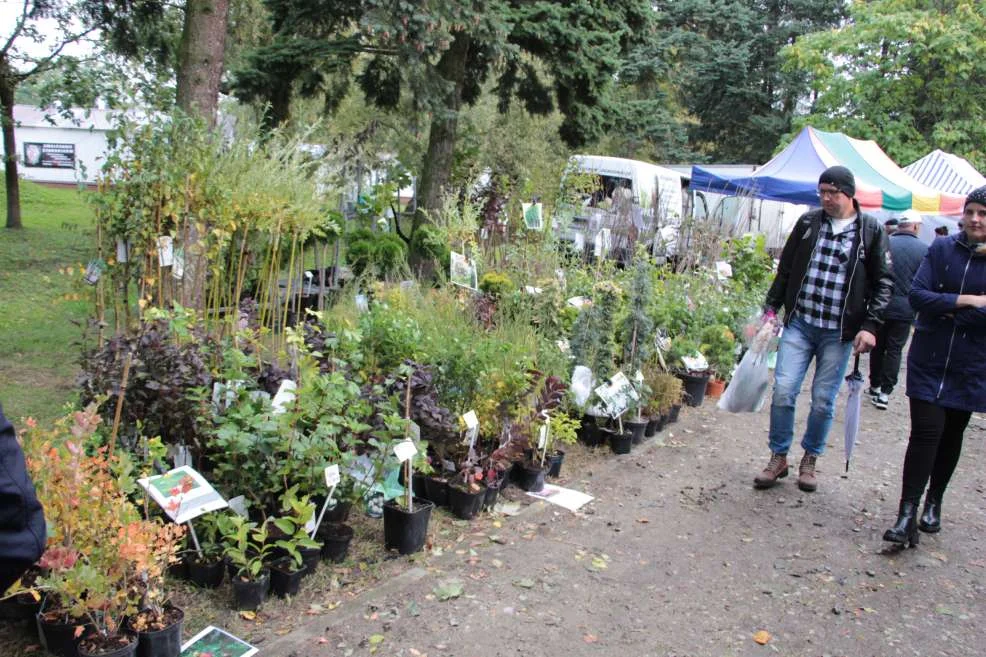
[[408, 471], [119, 400]]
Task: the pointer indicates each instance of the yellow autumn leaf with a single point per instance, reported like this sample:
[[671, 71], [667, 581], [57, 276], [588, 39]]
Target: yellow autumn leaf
[[246, 615], [762, 637]]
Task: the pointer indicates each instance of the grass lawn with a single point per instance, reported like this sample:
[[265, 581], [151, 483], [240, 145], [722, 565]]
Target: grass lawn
[[38, 339]]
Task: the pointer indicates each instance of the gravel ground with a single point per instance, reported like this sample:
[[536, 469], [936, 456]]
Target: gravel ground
[[680, 556]]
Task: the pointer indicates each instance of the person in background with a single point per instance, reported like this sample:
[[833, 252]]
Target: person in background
[[906, 253], [890, 226], [946, 367], [834, 282], [22, 523], [941, 231]]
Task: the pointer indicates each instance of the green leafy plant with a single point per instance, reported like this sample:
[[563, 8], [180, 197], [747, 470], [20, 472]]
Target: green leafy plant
[[296, 512], [246, 544], [719, 348]]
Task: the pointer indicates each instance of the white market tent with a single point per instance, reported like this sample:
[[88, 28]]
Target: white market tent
[[946, 173]]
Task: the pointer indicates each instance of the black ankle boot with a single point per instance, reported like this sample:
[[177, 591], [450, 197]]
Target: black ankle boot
[[931, 518], [905, 530]]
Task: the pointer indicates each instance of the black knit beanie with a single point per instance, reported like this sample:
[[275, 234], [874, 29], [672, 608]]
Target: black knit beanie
[[841, 178], [977, 195]]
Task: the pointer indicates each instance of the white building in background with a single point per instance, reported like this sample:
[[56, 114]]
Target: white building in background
[[54, 149]]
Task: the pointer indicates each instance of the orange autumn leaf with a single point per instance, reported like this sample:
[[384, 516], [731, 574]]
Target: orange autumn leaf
[[762, 637], [590, 638]]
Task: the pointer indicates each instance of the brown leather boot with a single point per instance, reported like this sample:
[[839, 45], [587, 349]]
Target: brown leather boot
[[776, 469], [806, 473]]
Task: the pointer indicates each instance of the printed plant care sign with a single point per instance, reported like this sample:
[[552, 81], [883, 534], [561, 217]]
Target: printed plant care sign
[[165, 251], [533, 215], [213, 642], [183, 493], [178, 264], [617, 394], [462, 271]]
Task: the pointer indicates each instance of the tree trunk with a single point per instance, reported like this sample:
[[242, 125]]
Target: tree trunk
[[437, 167], [200, 68], [8, 85], [200, 65]]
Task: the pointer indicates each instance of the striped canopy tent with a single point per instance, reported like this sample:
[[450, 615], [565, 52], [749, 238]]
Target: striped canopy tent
[[792, 176], [946, 172]]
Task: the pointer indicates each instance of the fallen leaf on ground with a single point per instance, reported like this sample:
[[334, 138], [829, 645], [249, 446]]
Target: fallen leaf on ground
[[524, 583], [762, 637], [376, 639], [450, 588], [590, 638], [322, 641], [282, 631], [416, 653], [248, 615], [643, 521]]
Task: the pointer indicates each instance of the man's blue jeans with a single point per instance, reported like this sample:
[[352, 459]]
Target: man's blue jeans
[[800, 343]]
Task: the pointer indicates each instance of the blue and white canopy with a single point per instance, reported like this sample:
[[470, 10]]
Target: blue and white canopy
[[946, 172]]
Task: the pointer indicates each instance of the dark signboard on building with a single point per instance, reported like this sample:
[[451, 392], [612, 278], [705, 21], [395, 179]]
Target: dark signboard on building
[[49, 156]]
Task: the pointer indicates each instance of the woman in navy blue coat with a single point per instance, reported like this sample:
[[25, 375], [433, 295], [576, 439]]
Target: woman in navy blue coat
[[946, 367], [22, 522]]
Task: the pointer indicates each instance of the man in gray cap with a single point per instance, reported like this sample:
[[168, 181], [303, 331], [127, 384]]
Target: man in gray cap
[[906, 253], [833, 282]]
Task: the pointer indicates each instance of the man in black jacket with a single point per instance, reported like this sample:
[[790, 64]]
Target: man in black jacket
[[906, 253], [22, 522], [833, 282]]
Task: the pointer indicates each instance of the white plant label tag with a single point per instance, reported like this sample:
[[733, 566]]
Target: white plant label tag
[[577, 302], [332, 477], [579, 242], [165, 251], [238, 504], [362, 303], [405, 450], [563, 345], [543, 436], [285, 395], [122, 251], [178, 264], [471, 419]]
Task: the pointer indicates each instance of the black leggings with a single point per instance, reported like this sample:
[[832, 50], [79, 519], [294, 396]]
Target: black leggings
[[933, 449]]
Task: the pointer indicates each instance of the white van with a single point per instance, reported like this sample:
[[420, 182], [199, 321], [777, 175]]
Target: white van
[[655, 197]]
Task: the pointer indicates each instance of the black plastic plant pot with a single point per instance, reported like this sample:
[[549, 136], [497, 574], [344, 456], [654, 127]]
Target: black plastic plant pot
[[660, 422], [161, 643], [490, 496], [673, 413], [127, 650], [636, 429], [248, 595], [531, 477], [59, 638], [589, 433], [417, 483], [436, 491], [335, 538], [620, 443], [207, 574], [403, 530], [651, 427], [338, 513], [465, 504], [554, 463], [285, 578], [694, 385], [21, 607], [310, 558]]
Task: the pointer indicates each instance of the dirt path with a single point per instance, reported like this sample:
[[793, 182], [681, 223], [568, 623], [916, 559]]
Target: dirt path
[[680, 556]]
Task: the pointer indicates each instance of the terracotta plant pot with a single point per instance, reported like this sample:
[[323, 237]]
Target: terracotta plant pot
[[714, 388]]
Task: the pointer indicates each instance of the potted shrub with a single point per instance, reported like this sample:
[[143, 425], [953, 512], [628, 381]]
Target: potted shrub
[[521, 446], [690, 365], [405, 522], [205, 568], [158, 625], [247, 550], [291, 537], [719, 347], [467, 492], [564, 431]]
